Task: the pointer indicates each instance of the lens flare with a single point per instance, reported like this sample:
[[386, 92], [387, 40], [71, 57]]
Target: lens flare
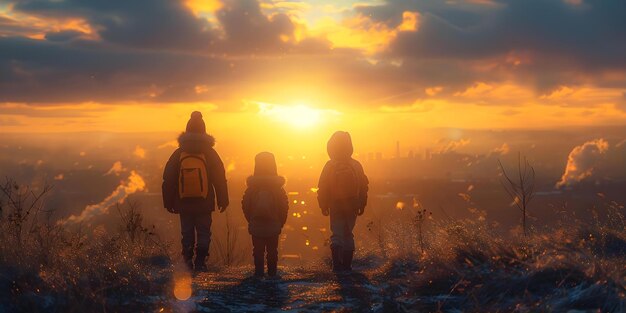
[[182, 288]]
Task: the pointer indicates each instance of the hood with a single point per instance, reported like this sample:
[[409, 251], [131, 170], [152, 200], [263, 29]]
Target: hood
[[265, 180], [340, 146], [195, 142]]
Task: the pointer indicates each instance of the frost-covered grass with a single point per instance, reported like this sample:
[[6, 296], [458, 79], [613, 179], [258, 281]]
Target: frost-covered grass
[[408, 264], [52, 267], [468, 268]]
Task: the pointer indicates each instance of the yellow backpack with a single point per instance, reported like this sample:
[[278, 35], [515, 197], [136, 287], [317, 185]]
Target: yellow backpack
[[193, 179]]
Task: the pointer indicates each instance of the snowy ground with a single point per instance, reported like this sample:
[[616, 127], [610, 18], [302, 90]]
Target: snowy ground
[[297, 290]]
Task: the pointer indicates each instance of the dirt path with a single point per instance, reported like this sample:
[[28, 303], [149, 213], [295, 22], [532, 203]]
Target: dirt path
[[298, 290]]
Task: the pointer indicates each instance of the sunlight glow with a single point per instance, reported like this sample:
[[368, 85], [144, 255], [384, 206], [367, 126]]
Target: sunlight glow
[[298, 116]]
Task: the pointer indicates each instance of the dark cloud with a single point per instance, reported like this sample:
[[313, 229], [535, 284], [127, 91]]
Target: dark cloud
[[64, 35], [562, 43], [248, 29], [159, 51], [591, 35], [145, 51], [461, 14], [38, 71], [43, 71], [170, 25], [159, 24]]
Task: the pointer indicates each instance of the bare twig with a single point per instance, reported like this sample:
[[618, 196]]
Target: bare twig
[[521, 190]]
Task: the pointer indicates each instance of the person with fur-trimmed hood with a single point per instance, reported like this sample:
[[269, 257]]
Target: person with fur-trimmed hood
[[265, 206], [193, 179], [342, 194]]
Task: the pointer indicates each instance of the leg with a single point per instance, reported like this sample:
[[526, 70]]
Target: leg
[[187, 229], [258, 252], [203, 232], [337, 237], [272, 255], [348, 250]]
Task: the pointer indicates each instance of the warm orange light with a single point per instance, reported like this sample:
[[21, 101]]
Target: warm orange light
[[182, 288], [298, 116], [204, 6]]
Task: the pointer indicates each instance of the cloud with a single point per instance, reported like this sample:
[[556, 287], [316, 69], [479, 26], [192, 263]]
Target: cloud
[[152, 24], [418, 106], [133, 184], [64, 35], [453, 145], [51, 72], [539, 43], [169, 144], [161, 51], [247, 29], [502, 150], [116, 169], [592, 34], [139, 152], [582, 161]]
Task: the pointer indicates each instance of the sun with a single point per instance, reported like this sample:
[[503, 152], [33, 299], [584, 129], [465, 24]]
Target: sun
[[297, 116]]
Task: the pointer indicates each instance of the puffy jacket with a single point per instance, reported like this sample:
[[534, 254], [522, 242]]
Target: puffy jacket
[[274, 222], [340, 149], [195, 143]]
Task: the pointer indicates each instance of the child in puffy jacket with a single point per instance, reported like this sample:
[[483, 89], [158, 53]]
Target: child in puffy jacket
[[265, 207], [342, 194]]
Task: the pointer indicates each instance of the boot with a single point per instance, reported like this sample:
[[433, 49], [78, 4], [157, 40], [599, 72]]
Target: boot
[[200, 264], [188, 258], [337, 261], [347, 260], [259, 266], [272, 268]]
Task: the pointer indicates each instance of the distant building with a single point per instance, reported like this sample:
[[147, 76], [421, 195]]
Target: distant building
[[398, 149]]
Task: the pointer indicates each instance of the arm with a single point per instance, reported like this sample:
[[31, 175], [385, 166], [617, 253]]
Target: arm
[[323, 191], [245, 203], [363, 188], [218, 178], [169, 188], [284, 206]]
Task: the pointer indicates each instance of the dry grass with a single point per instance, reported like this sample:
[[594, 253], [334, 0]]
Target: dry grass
[[470, 268], [45, 266]]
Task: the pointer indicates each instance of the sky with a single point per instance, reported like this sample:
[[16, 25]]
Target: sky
[[299, 68]]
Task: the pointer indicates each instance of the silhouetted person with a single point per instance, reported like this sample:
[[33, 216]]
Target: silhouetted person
[[342, 193], [193, 178], [265, 207]]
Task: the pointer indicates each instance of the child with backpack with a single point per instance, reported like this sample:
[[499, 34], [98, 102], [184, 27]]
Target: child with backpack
[[342, 194], [193, 179], [265, 207]]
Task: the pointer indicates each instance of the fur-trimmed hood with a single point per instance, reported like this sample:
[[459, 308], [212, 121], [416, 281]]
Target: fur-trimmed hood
[[265, 180], [195, 142]]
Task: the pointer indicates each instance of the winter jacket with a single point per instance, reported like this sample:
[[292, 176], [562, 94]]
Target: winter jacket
[[271, 224], [195, 143], [340, 150]]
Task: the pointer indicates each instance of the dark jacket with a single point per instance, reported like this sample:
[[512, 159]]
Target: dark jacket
[[195, 143], [272, 225], [340, 149]]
